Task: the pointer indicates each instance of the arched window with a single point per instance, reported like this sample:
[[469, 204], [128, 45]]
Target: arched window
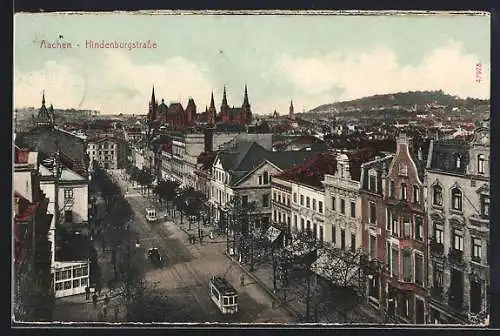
[[456, 199], [481, 161], [437, 195]]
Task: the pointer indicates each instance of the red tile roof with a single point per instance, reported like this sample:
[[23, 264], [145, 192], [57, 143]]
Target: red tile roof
[[311, 172]]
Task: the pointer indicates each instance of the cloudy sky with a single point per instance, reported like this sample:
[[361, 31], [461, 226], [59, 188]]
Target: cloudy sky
[[310, 59]]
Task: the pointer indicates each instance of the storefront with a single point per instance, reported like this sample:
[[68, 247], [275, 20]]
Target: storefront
[[71, 278]]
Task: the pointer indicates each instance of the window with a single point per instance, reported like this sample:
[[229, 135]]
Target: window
[[294, 197], [342, 206], [67, 284], [308, 202], [395, 262], [419, 269], [394, 225], [403, 169], [407, 226], [481, 160], [76, 283], [321, 234], [419, 228], [334, 235], [416, 194], [404, 191], [372, 183], [320, 207], [438, 233], [279, 217], [373, 213], [392, 189], [265, 200], [295, 221], [83, 282], [314, 204], [438, 195], [59, 286], [68, 194], [456, 199], [333, 203], [342, 239], [353, 242], [476, 249], [244, 200], [475, 296], [275, 197], [288, 200], [438, 276], [308, 226], [260, 179], [458, 240], [301, 199], [407, 266], [315, 230], [302, 226], [373, 247], [279, 197], [353, 209], [458, 162], [485, 206], [275, 216], [266, 178]]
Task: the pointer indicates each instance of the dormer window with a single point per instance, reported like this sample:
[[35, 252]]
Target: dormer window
[[266, 177], [372, 181], [481, 163], [437, 195], [458, 162], [404, 191], [403, 169]]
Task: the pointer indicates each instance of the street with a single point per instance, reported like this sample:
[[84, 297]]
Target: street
[[187, 268]]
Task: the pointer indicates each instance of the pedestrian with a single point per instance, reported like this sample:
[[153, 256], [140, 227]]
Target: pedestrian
[[94, 299], [242, 280], [106, 300], [87, 293]]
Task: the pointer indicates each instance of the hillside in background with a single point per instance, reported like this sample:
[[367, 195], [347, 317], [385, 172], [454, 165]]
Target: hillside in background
[[409, 100]]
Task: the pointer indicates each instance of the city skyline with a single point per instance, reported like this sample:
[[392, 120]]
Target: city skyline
[[309, 59]]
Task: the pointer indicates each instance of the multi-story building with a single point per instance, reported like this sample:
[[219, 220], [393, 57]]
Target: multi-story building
[[31, 222], [396, 231], [342, 200], [69, 229], [458, 201], [109, 152], [299, 196], [245, 171]]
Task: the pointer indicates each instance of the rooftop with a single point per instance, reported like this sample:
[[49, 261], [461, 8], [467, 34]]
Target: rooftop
[[313, 171]]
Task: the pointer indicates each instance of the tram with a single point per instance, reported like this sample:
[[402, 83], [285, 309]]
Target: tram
[[151, 215], [223, 295]]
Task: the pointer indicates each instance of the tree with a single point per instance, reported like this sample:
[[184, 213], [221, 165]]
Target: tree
[[346, 276]]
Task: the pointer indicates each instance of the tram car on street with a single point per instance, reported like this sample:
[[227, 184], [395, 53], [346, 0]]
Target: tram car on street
[[223, 295], [151, 215]]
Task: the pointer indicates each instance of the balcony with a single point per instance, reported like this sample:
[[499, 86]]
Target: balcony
[[456, 256], [436, 248]]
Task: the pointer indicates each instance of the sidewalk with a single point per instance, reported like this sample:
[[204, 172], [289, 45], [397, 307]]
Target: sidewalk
[[295, 304]]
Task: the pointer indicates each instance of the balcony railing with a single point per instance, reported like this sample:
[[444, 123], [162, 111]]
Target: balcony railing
[[437, 249], [456, 256]]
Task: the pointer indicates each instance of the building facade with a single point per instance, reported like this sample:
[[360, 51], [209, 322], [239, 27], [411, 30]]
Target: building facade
[[458, 198], [109, 152]]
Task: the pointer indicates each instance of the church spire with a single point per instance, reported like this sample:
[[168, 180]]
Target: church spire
[[43, 98], [291, 111], [153, 99], [245, 99], [224, 98], [212, 104]]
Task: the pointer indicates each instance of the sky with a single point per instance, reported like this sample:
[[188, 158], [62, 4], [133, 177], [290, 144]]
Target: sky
[[310, 59]]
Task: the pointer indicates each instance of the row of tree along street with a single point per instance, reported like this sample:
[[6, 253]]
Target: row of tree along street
[[112, 228]]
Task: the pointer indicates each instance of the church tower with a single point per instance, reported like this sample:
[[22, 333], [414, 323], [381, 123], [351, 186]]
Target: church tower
[[211, 111], [190, 112], [224, 108], [291, 112], [246, 111], [152, 107]]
